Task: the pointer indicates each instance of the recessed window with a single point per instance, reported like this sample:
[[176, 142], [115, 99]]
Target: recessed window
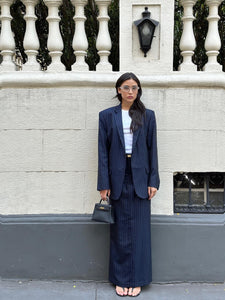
[[199, 192]]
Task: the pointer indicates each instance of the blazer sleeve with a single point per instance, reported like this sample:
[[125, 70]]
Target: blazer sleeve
[[154, 180], [103, 155]]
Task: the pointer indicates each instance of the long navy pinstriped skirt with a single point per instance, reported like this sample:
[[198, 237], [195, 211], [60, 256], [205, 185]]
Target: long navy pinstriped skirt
[[130, 238]]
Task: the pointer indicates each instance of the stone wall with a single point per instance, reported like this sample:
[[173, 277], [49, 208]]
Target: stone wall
[[48, 137]]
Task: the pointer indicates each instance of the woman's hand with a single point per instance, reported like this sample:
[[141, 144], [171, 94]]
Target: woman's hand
[[151, 192], [104, 194]]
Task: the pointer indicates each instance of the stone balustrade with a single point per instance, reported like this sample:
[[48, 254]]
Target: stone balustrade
[[55, 43], [212, 42]]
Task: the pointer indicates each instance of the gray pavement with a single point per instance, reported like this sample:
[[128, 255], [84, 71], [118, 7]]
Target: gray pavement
[[74, 290]]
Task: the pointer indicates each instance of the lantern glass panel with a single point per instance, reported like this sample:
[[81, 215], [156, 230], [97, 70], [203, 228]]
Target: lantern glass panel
[[146, 30]]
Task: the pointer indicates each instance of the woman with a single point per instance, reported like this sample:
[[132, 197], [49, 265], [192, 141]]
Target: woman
[[128, 174]]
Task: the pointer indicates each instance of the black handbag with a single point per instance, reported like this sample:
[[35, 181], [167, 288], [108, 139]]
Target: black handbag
[[103, 212]]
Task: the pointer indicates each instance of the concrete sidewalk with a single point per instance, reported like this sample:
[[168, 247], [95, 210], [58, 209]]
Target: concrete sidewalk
[[77, 290]]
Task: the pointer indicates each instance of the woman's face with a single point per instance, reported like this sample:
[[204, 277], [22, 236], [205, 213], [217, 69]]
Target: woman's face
[[128, 91]]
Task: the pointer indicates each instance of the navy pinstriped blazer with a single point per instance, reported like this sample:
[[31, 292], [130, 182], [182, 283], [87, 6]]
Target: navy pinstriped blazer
[[111, 154]]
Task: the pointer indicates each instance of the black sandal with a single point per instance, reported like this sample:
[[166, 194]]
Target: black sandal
[[123, 291], [135, 295]]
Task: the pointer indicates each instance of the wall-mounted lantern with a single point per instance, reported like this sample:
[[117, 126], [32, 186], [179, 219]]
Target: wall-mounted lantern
[[146, 28]]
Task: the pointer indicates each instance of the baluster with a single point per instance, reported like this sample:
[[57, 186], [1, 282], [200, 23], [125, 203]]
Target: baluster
[[7, 43], [31, 41], [187, 42], [103, 43], [212, 42], [55, 42], [80, 43]]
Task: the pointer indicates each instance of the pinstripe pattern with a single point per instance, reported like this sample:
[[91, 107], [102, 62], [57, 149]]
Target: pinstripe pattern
[[130, 238]]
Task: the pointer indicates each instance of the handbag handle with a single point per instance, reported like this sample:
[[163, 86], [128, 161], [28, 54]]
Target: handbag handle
[[107, 199]]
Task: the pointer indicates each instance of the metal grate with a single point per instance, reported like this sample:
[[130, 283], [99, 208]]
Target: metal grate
[[199, 192]]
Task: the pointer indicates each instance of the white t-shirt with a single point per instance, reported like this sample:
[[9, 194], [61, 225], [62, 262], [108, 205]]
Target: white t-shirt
[[128, 135]]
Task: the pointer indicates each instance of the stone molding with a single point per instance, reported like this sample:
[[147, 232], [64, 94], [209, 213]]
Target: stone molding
[[69, 79]]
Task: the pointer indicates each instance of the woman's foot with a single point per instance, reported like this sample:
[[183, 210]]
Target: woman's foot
[[121, 291], [134, 292]]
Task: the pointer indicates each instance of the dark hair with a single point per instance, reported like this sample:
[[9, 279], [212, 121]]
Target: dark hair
[[137, 109]]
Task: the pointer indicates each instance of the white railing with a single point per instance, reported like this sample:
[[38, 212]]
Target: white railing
[[212, 43], [55, 42], [103, 42]]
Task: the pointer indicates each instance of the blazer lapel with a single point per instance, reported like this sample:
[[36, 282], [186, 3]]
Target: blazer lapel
[[119, 123], [135, 136]]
